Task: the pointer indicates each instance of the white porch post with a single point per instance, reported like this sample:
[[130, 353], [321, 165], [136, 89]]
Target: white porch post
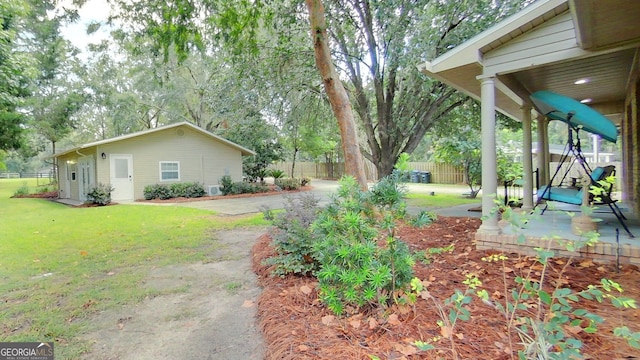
[[489, 173], [543, 151], [527, 190]]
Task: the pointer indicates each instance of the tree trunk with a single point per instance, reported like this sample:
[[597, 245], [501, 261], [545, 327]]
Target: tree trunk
[[293, 162], [337, 94]]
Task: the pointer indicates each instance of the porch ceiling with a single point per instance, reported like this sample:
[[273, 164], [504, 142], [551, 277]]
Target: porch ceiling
[[606, 29]]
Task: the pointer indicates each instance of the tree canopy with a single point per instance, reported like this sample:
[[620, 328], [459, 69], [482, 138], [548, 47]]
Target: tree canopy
[[245, 65], [15, 75]]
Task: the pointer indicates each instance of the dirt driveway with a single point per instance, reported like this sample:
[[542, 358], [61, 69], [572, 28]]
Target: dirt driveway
[[209, 312]]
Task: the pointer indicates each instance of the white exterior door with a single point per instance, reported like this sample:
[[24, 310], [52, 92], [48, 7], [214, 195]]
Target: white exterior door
[[121, 177], [86, 177]]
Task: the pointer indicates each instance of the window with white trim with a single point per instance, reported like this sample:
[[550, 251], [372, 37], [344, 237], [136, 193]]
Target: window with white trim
[[169, 170]]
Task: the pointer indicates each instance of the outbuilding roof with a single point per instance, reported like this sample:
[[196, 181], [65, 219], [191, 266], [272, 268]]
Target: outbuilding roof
[[242, 149]]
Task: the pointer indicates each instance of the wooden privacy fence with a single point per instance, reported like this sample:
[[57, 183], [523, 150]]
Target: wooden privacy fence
[[440, 173]]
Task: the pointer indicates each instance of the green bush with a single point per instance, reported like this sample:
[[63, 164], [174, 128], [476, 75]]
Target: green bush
[[287, 183], [100, 194], [292, 236], [248, 188], [174, 190], [228, 187], [350, 245], [354, 269], [187, 190], [276, 173], [22, 190], [194, 190], [157, 191]]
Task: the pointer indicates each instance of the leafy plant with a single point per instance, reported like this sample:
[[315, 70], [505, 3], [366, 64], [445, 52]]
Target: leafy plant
[[539, 313], [287, 183], [361, 262], [228, 187], [22, 190], [187, 190], [292, 236], [423, 218], [426, 256], [276, 173], [100, 194], [157, 191], [402, 167]]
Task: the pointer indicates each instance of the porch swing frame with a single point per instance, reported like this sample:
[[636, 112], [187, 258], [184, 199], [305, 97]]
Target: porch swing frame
[[572, 147]]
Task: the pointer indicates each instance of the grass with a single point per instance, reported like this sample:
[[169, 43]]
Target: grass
[[61, 265], [439, 200]]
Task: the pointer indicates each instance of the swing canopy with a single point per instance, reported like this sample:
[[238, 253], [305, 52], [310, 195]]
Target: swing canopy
[[574, 113]]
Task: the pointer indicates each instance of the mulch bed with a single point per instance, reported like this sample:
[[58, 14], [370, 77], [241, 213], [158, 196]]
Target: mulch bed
[[297, 326], [43, 195], [273, 190]]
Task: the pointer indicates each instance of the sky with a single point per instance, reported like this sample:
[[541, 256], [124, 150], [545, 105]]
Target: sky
[[92, 11]]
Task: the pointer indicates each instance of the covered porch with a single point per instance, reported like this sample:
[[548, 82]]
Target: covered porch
[[587, 50]]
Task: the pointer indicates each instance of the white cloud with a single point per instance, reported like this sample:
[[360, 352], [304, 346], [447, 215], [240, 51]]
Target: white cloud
[[92, 11]]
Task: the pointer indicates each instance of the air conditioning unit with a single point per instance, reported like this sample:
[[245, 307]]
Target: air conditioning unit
[[214, 190]]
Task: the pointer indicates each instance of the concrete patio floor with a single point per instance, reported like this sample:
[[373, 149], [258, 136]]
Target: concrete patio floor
[[553, 230]]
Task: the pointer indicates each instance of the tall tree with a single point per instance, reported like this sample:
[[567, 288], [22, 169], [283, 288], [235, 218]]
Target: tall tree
[[379, 44], [15, 73], [337, 94], [56, 98]]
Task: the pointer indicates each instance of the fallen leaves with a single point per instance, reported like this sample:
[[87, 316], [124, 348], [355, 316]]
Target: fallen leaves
[[328, 320], [394, 320], [393, 332]]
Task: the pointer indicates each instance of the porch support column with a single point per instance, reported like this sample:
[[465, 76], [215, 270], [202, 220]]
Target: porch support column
[[543, 151], [527, 190], [489, 173]]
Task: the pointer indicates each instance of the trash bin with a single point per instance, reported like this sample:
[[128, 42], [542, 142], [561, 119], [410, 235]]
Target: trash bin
[[425, 177], [415, 176]]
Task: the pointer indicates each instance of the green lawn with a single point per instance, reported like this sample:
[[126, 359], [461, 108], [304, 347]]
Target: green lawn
[[59, 265], [439, 200]]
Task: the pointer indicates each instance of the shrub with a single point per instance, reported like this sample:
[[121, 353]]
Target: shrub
[[174, 190], [292, 236], [287, 183], [45, 189], [228, 187], [248, 188], [361, 262], [157, 191], [276, 173], [187, 190], [100, 194], [22, 190], [194, 190]]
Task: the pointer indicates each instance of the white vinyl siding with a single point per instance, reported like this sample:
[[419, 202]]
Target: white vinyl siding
[[202, 159], [169, 171], [547, 43]]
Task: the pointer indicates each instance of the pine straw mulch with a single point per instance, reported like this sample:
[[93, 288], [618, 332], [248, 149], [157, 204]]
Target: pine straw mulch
[[295, 325], [42, 195], [272, 190]]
